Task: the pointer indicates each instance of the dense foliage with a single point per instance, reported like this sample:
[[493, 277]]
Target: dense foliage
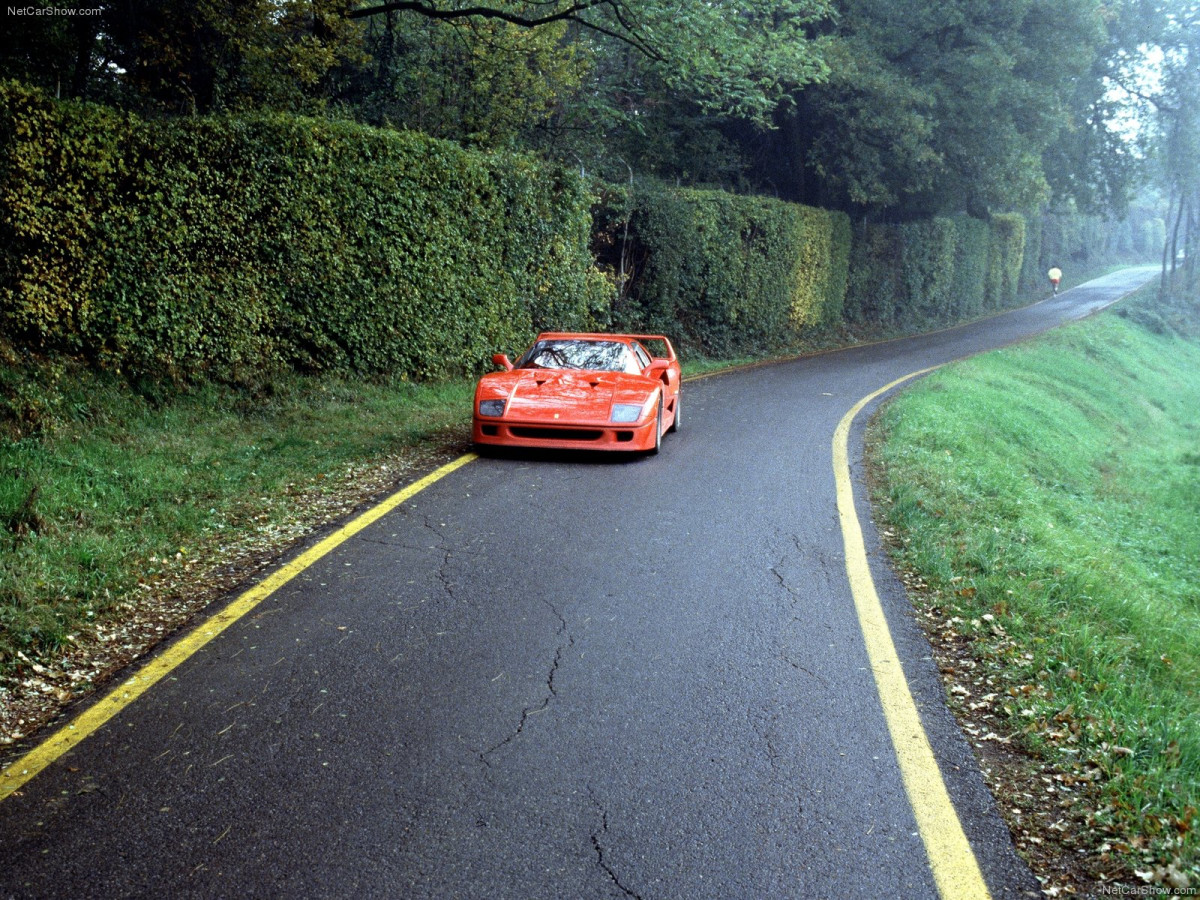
[[939, 108], [250, 241], [877, 108], [934, 272], [933, 108], [513, 67], [237, 243], [724, 274]]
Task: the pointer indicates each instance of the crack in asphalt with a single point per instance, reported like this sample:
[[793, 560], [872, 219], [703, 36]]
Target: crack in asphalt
[[764, 724], [774, 570], [598, 848], [809, 672], [800, 549], [396, 545], [551, 690], [820, 559], [443, 575], [817, 557]]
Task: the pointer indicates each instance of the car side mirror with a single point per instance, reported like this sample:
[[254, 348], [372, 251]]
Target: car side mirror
[[501, 359], [660, 369]]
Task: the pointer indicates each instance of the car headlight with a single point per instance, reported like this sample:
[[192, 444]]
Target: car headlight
[[491, 407], [626, 412]]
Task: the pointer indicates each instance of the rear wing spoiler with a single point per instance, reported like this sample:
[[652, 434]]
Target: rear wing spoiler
[[653, 337]]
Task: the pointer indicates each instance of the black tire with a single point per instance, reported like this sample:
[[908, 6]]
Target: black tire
[[658, 429], [675, 421]]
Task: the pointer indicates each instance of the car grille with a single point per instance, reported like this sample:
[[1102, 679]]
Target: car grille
[[557, 434]]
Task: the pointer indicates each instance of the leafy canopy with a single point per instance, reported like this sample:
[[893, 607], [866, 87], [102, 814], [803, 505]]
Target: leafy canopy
[[733, 57]]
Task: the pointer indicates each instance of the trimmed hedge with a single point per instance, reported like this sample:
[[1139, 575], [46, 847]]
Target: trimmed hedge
[[722, 274], [934, 272], [972, 237], [1005, 255], [60, 167], [237, 244], [227, 244]]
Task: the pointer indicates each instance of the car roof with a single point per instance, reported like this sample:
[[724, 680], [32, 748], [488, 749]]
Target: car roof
[[582, 336]]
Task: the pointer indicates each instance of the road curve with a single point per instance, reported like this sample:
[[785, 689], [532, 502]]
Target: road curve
[[553, 677]]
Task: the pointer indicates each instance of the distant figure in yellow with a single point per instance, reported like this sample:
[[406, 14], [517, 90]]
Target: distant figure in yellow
[[1055, 274]]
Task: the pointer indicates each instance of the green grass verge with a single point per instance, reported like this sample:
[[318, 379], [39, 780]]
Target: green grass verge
[[1048, 495], [105, 492]]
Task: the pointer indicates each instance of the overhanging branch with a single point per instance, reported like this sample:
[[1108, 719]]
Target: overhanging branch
[[575, 12]]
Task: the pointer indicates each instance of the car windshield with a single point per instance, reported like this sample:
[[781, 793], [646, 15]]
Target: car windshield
[[595, 356]]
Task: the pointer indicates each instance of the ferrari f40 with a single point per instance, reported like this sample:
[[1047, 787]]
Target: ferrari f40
[[581, 391]]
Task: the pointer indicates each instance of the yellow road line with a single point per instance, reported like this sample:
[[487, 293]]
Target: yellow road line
[[28, 766], [955, 868]]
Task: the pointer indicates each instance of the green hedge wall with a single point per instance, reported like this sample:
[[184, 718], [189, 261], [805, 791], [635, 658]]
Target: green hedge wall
[[60, 167], [220, 244], [875, 291], [722, 274], [1006, 253], [972, 237], [236, 244], [919, 274]]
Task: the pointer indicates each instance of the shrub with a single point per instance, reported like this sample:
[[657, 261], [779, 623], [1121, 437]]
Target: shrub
[[236, 244], [927, 273], [60, 166], [721, 273], [1005, 256], [875, 288]]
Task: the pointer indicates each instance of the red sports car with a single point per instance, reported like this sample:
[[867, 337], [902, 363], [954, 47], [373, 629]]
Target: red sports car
[[581, 391]]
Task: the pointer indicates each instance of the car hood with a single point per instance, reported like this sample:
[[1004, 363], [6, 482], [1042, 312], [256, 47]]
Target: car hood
[[567, 395]]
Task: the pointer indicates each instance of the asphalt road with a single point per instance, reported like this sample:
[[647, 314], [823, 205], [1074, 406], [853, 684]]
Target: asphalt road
[[551, 677]]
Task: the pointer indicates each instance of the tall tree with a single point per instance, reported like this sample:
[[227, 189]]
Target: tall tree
[[485, 82], [54, 51], [206, 55], [186, 56], [1154, 75], [938, 105], [1178, 139], [1096, 161], [645, 78]]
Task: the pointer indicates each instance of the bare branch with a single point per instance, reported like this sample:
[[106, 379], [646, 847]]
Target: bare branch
[[575, 12], [430, 11], [1155, 100]]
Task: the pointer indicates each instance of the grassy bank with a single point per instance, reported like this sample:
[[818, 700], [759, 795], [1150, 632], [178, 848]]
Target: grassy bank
[[1045, 501], [109, 494]]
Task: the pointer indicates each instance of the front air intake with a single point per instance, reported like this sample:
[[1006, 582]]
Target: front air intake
[[556, 434]]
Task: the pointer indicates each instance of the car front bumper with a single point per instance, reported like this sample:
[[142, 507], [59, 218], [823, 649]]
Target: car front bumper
[[499, 432]]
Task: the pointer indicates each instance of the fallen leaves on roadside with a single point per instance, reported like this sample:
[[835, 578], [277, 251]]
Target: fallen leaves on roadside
[[181, 583], [1058, 820]]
